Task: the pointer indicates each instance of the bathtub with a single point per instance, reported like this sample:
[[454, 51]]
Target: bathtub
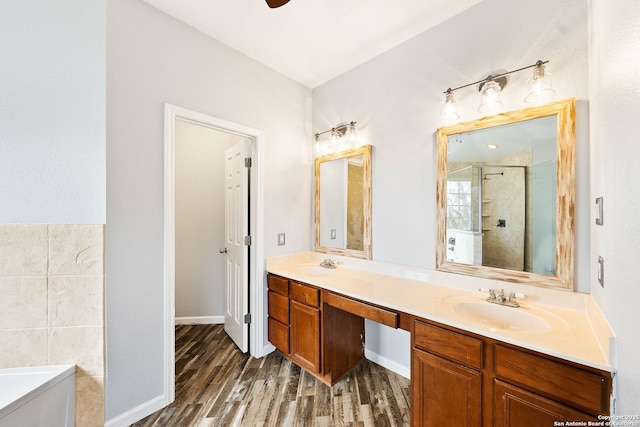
[[37, 396]]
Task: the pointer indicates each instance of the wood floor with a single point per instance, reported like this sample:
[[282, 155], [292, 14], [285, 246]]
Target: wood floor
[[216, 385]]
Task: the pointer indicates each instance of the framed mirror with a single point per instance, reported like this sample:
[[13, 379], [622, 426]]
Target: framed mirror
[[505, 196], [343, 203]]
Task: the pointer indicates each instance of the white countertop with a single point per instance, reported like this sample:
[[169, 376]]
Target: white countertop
[[572, 334]]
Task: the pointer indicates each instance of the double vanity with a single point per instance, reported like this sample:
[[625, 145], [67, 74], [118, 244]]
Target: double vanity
[[489, 358], [473, 363]]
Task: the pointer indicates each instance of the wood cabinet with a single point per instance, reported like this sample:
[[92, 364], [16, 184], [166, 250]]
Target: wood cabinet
[[458, 378], [446, 378], [443, 392], [278, 321], [304, 340], [324, 341], [515, 406]]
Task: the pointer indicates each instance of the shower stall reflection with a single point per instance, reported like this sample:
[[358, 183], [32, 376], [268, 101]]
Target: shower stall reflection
[[486, 216]]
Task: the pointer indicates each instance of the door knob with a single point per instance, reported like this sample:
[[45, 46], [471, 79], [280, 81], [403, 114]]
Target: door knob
[[223, 250]]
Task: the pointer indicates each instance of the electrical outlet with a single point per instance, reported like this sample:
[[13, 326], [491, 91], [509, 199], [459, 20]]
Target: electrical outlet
[[601, 271], [281, 239], [333, 234]]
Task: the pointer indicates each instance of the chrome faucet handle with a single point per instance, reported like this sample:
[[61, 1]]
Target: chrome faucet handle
[[492, 295], [512, 297]]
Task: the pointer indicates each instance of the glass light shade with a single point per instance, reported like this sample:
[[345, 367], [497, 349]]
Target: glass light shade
[[490, 101], [540, 87], [449, 107], [333, 140], [352, 134]]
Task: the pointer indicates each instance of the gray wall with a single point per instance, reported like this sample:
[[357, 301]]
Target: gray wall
[[614, 93], [153, 59], [395, 98], [52, 112]]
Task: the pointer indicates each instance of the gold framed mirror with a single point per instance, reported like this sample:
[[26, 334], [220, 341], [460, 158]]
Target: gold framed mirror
[[343, 203], [505, 196]]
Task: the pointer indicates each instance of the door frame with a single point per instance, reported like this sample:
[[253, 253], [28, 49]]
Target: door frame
[[256, 221]]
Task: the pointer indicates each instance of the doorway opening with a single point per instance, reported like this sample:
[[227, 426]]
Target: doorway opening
[[255, 201]]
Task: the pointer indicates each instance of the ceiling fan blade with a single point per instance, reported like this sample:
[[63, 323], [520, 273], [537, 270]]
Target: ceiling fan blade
[[276, 3]]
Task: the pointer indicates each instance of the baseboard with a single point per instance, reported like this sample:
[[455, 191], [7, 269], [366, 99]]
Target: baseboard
[[200, 320], [389, 364], [138, 413]]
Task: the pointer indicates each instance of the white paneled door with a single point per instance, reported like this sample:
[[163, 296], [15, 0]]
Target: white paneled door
[[237, 242]]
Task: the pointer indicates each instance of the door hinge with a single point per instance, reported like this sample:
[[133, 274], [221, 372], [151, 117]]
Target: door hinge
[[247, 162], [247, 318], [247, 240]]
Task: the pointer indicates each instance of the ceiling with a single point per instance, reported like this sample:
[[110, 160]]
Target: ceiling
[[312, 41]]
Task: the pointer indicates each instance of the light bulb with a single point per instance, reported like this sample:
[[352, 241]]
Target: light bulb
[[449, 107], [334, 138], [490, 101], [540, 87]]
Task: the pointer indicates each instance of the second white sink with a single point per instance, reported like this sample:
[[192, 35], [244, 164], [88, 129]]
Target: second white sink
[[495, 317], [499, 317]]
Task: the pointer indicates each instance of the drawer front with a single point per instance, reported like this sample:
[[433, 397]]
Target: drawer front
[[278, 307], [582, 388], [451, 345], [362, 309], [305, 294], [278, 284], [278, 334]]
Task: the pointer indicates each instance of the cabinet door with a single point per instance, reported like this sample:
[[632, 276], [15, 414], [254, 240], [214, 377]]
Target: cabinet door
[[305, 336], [517, 407], [444, 393]]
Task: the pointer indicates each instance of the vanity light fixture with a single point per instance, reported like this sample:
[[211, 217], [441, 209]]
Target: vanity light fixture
[[491, 87], [337, 134], [492, 146], [540, 88]]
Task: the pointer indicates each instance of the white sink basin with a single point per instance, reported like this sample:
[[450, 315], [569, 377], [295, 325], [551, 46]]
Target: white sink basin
[[499, 317], [525, 319], [314, 270]]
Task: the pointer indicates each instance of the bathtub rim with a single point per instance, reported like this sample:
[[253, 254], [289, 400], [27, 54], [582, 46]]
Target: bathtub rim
[[56, 374]]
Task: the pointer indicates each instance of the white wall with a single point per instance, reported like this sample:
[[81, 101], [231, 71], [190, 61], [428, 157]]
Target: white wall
[[200, 207], [152, 59], [52, 112], [614, 92], [395, 98]]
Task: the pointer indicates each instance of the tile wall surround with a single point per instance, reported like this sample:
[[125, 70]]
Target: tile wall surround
[[52, 305]]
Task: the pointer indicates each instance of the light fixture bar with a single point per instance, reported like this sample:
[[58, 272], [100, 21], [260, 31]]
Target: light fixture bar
[[339, 130], [490, 77]]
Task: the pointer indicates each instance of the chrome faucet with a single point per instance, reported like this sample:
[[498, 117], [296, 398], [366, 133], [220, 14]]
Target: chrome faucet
[[501, 299], [328, 263]]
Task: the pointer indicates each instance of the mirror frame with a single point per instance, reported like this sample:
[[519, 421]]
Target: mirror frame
[[365, 151], [565, 196]]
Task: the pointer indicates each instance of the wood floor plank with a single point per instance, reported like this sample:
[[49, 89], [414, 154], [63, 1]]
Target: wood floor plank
[[217, 385]]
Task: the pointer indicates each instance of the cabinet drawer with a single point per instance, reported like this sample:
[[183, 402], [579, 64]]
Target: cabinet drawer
[[278, 307], [362, 309], [278, 284], [305, 294], [278, 334], [451, 345], [584, 389]]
